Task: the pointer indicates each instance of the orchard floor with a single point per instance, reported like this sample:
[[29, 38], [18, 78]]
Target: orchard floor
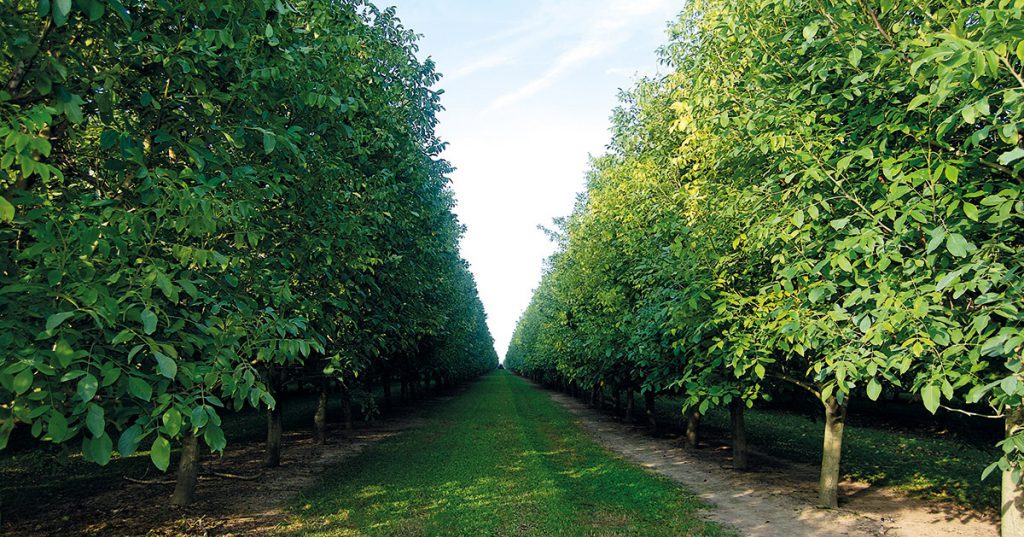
[[777, 497], [500, 457]]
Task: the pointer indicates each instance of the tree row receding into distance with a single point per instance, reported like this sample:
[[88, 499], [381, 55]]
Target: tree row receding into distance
[[821, 195], [204, 202]]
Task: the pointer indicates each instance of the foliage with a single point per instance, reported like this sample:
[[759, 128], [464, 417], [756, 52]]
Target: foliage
[[199, 196], [833, 203]]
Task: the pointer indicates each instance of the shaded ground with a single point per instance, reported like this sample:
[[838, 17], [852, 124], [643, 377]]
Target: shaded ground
[[776, 498], [223, 506]]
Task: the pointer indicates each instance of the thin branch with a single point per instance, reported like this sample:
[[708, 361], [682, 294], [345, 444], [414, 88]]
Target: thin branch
[[972, 414], [805, 385]]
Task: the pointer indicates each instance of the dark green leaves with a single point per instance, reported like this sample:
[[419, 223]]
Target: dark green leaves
[[55, 320]]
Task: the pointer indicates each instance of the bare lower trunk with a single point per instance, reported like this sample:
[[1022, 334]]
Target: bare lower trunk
[[274, 428], [387, 392], [630, 405], [832, 449], [652, 421], [1011, 506], [692, 425], [617, 398], [320, 416], [739, 435], [346, 409], [593, 396], [403, 394], [188, 471]]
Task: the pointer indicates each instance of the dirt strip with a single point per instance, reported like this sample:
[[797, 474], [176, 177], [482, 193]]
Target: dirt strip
[[777, 498]]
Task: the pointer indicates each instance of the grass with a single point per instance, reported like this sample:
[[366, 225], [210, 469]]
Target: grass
[[925, 465], [500, 459]]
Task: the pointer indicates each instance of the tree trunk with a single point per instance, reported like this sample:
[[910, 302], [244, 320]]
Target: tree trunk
[[652, 421], [346, 408], [593, 396], [630, 406], [692, 425], [739, 435], [188, 471], [387, 392], [273, 455], [617, 398], [320, 416], [832, 449], [1011, 508], [403, 394]]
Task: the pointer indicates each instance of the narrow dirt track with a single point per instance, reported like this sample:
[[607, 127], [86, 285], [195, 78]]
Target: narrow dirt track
[[779, 501]]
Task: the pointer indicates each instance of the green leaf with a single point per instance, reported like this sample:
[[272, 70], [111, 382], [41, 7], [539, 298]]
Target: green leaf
[[971, 210], [22, 381], [214, 437], [874, 389], [957, 245], [199, 417], [87, 387], [94, 420], [148, 319], [172, 422], [99, 449], [57, 427], [56, 319], [931, 395], [166, 365], [855, 56], [269, 142], [129, 441], [140, 388], [160, 453], [61, 10], [6, 210], [1011, 156], [120, 10]]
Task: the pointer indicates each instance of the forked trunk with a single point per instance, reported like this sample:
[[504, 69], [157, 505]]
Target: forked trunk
[[274, 429], [832, 449], [652, 421], [188, 471], [739, 434], [1011, 506], [692, 426], [320, 416]]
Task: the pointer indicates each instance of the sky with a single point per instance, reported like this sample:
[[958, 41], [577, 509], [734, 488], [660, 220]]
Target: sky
[[529, 88]]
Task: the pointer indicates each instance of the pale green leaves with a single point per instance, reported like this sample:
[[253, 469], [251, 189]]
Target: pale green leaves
[[6, 210], [160, 453], [855, 57], [931, 396]]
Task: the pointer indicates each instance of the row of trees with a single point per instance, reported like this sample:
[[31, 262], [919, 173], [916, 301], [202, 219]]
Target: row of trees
[[821, 195], [205, 201]]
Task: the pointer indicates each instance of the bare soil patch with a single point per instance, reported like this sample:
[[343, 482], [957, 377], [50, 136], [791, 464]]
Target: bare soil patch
[[776, 498], [223, 506]]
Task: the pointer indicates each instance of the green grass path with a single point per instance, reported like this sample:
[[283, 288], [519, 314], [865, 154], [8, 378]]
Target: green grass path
[[499, 459]]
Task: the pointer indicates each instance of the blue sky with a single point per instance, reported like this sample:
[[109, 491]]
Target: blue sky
[[529, 87]]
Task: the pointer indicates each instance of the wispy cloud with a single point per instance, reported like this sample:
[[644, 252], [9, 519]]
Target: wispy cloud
[[593, 29]]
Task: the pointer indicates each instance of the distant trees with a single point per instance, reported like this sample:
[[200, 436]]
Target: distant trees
[[200, 202], [825, 195]]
